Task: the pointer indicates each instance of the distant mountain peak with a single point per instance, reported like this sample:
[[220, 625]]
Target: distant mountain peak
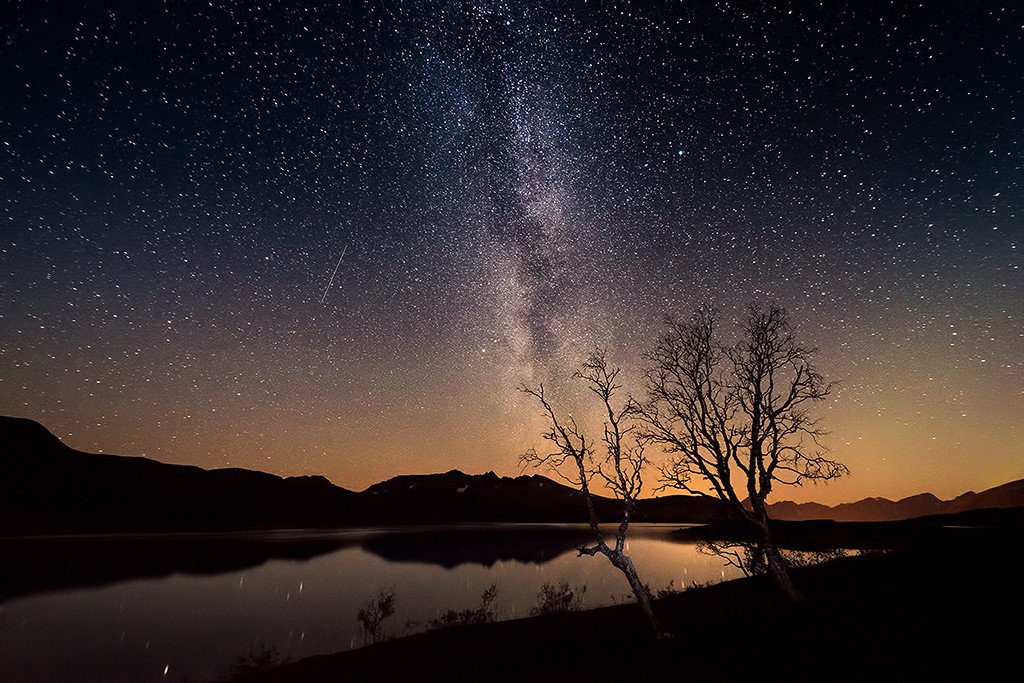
[[452, 480], [84, 492], [21, 432], [927, 496], [49, 487], [878, 509]]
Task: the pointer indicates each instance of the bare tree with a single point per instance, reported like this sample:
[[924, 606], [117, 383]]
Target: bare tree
[[376, 611], [555, 599], [735, 418], [749, 557], [481, 615], [620, 467]]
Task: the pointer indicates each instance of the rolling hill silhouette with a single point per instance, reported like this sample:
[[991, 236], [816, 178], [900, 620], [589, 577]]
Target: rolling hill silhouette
[[1008, 495], [49, 488]]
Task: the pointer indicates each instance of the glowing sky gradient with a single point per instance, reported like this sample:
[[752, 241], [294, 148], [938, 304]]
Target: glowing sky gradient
[[511, 185]]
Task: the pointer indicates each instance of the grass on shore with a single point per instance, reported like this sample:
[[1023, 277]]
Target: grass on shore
[[942, 613]]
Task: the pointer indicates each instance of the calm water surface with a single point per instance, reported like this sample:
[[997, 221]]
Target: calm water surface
[[188, 626]]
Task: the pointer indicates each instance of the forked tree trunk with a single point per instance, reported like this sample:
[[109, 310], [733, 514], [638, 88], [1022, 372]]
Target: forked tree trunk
[[643, 596], [777, 565]]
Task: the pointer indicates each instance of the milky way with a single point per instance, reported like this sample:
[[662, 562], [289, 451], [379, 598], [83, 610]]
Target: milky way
[[511, 183]]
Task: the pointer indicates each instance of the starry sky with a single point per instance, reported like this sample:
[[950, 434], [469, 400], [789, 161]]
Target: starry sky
[[315, 239]]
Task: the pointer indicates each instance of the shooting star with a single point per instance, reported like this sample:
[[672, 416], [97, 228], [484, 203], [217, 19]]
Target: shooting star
[[329, 282]]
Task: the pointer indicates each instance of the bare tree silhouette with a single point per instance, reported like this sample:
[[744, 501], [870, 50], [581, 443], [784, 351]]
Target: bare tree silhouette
[[621, 467], [749, 557], [373, 615], [734, 418], [481, 615], [554, 599]]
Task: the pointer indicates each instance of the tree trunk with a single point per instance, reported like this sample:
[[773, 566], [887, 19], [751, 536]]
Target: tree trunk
[[777, 565], [643, 596]]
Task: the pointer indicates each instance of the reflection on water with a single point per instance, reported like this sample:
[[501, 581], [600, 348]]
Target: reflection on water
[[484, 545], [749, 559], [196, 625], [36, 565]]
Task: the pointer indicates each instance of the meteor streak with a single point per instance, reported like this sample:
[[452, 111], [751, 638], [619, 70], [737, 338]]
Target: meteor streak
[[329, 282]]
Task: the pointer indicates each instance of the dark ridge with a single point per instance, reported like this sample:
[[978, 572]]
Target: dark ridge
[[987, 524], [49, 488], [1009, 495]]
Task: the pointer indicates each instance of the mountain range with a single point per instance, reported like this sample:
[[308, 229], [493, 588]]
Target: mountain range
[[883, 510], [48, 487]]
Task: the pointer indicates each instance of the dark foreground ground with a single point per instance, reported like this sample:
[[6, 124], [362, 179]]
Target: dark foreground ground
[[943, 613]]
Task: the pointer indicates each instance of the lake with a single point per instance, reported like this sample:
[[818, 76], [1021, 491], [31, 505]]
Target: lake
[[187, 607]]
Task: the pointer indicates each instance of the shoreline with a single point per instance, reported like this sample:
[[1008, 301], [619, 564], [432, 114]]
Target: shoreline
[[878, 616]]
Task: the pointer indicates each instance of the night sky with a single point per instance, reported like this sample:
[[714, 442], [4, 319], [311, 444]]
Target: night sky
[[510, 184]]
